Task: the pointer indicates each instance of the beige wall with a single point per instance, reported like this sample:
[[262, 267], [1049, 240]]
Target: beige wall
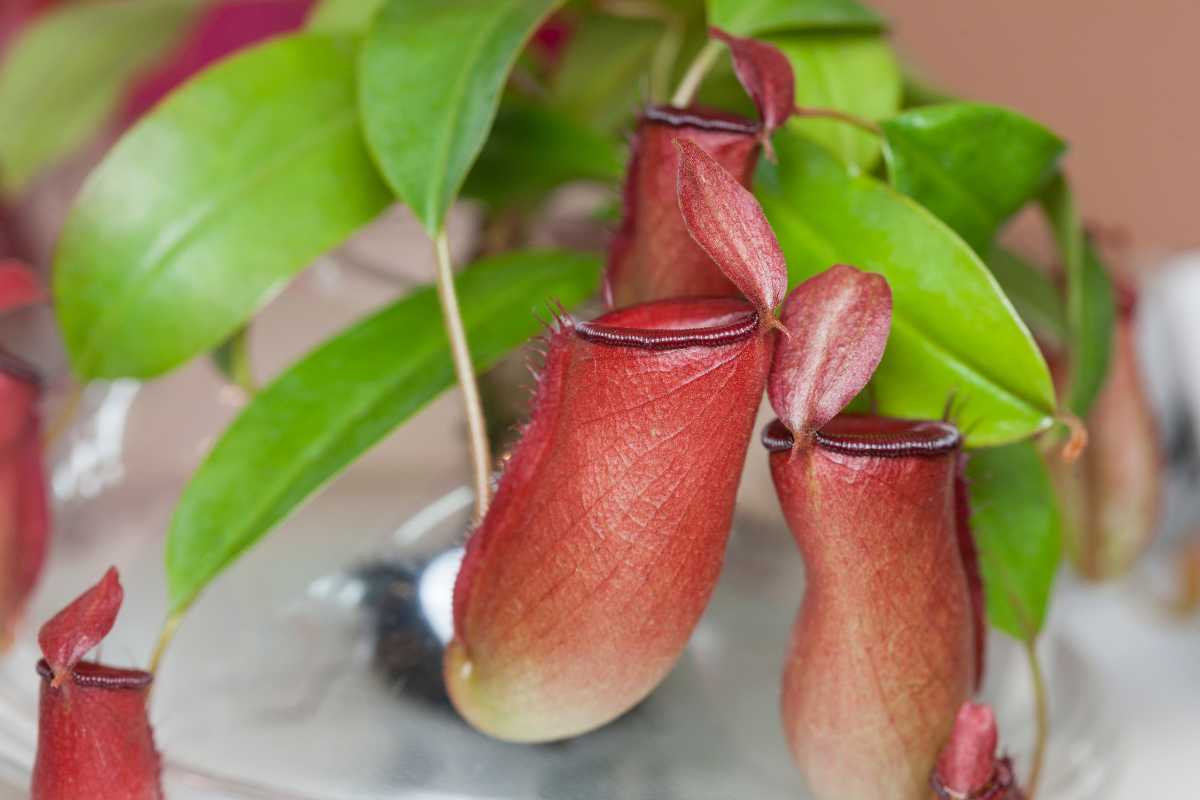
[[1120, 79]]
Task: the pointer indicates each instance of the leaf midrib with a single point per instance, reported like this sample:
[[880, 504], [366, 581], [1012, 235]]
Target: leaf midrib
[[440, 176], [951, 357], [898, 317], [983, 215], [158, 258], [231, 546]]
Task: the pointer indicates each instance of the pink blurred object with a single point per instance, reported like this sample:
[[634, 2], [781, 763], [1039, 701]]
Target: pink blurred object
[[968, 767], [12, 239], [24, 515], [15, 14], [1111, 497], [18, 286], [222, 29], [552, 38]]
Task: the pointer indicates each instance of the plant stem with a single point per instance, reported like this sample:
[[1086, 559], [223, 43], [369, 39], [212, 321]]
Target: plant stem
[[164, 638], [481, 456], [1042, 713], [240, 367], [65, 415], [695, 73], [841, 116], [1077, 438], [527, 82]]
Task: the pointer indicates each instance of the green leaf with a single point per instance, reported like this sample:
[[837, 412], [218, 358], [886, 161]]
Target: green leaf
[[972, 165], [1032, 294], [430, 79], [1091, 312], [232, 360], [1015, 520], [67, 74], [604, 74], [854, 73], [345, 396], [206, 208], [533, 149], [343, 16], [756, 17], [954, 334], [1099, 320]]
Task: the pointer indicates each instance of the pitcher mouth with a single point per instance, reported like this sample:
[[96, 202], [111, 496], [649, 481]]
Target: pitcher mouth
[[701, 119], [674, 324], [91, 675], [872, 437]]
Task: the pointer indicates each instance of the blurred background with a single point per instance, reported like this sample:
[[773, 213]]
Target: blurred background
[[1116, 79]]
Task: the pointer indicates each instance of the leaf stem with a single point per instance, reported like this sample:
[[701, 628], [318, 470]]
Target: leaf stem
[[65, 414], [841, 116], [1187, 599], [165, 635], [695, 73], [1042, 716], [240, 367], [481, 456], [1058, 205], [1077, 438]]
